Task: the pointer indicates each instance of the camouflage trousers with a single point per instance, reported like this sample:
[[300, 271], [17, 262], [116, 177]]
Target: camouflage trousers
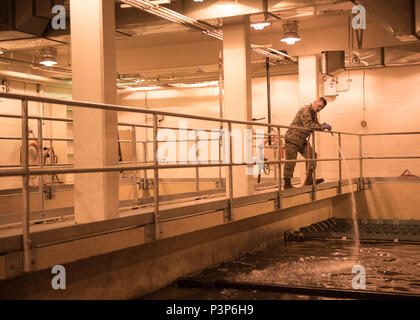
[[292, 151]]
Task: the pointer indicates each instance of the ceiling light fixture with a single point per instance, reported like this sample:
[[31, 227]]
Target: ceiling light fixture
[[260, 25], [48, 57], [198, 0], [1, 51], [291, 35]]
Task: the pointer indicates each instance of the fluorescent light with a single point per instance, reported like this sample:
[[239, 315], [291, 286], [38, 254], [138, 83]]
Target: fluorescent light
[[195, 85], [160, 1], [260, 25], [150, 88], [198, 0]]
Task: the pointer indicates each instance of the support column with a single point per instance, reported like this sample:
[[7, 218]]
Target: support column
[[309, 92], [238, 90], [308, 79], [96, 195]]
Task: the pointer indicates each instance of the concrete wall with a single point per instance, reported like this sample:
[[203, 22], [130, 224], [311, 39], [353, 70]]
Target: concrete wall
[[385, 200], [119, 266]]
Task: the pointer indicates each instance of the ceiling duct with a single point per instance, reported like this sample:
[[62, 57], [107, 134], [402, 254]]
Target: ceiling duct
[[417, 16], [404, 55], [24, 16], [399, 17], [332, 61], [365, 58]]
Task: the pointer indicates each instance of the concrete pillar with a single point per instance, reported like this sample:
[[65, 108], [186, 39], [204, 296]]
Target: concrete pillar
[[96, 195], [308, 79], [238, 90], [308, 93]]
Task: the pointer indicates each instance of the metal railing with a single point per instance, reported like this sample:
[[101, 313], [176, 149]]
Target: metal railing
[[25, 170]]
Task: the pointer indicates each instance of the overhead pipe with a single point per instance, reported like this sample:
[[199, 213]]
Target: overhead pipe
[[31, 78]]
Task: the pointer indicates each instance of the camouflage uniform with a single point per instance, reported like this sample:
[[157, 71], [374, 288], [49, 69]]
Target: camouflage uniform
[[296, 139]]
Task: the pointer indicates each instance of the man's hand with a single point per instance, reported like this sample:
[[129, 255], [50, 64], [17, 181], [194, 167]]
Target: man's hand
[[327, 126]]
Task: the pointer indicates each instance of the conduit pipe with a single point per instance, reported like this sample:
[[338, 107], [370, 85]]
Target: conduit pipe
[[31, 78]]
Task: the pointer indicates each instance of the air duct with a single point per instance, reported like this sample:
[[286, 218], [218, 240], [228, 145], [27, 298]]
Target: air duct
[[332, 61], [400, 17]]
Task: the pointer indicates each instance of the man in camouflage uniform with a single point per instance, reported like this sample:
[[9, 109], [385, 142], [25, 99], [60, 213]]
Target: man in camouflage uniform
[[296, 140]]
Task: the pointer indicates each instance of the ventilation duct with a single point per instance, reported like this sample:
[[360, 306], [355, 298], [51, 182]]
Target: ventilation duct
[[399, 17], [365, 58], [24, 16], [384, 57], [404, 55], [332, 61]]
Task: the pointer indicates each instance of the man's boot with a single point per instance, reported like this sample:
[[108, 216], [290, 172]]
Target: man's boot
[[309, 180], [288, 183]]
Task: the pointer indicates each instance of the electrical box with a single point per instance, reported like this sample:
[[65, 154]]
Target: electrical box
[[330, 88]]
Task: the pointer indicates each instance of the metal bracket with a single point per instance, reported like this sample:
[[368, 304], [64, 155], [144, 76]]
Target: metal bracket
[[367, 184], [49, 192], [145, 184], [220, 184]]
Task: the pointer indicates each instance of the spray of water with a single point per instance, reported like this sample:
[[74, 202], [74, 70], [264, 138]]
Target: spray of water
[[353, 202]]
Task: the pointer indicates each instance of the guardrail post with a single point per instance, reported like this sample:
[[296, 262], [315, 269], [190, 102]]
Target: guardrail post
[[229, 213], [197, 169], [314, 166], [361, 162], [25, 188], [279, 167], [41, 164], [156, 178], [145, 182], [340, 173], [134, 150]]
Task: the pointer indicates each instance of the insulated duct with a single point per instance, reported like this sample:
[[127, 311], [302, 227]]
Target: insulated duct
[[404, 55], [399, 17]]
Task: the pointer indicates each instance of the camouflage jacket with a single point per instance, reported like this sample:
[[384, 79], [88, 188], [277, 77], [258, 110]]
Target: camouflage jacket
[[305, 118]]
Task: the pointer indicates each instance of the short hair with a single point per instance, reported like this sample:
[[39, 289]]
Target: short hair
[[323, 101]]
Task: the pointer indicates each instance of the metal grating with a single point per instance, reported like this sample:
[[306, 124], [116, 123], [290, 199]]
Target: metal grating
[[369, 229]]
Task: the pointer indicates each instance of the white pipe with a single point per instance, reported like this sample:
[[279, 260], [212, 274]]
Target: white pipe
[[31, 78]]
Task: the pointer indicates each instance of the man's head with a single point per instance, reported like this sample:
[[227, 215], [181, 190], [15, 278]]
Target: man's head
[[319, 104]]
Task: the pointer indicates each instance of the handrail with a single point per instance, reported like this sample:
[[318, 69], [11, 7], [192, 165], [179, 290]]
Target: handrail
[[112, 107], [26, 170]]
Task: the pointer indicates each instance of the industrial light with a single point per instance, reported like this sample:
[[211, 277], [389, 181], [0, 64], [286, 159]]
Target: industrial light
[[48, 57], [149, 88], [260, 25], [291, 35], [196, 85]]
